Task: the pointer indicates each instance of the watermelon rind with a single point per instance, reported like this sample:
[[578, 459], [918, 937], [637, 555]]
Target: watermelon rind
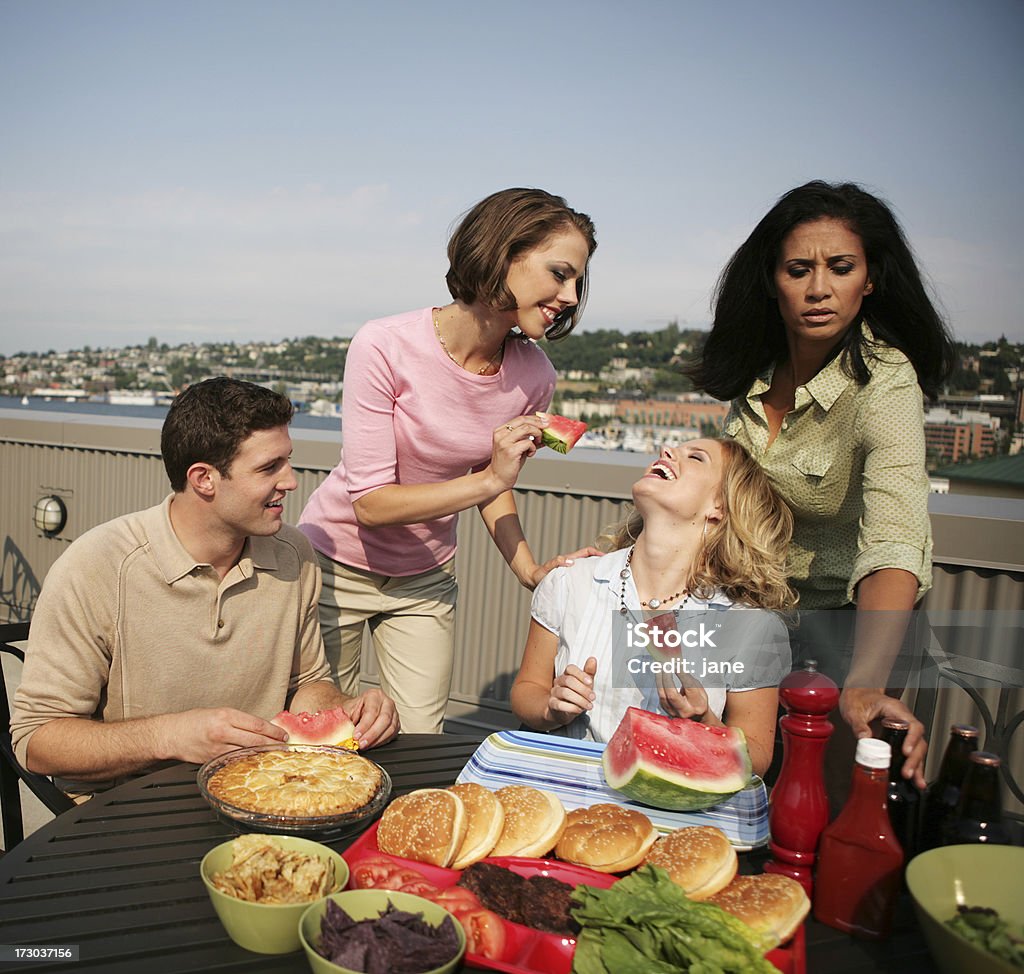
[[648, 765], [554, 442], [649, 789]]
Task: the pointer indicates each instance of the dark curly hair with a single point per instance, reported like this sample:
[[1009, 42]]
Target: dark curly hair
[[748, 334]]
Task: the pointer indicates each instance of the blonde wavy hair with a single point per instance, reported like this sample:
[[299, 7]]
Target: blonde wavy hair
[[744, 554]]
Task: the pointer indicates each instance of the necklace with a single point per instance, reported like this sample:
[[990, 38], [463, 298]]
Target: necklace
[[651, 603], [485, 368]]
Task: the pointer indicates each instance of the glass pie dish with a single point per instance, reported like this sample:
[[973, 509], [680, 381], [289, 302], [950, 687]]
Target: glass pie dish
[[305, 768]]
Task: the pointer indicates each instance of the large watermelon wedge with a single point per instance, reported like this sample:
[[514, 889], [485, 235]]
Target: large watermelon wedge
[[677, 764], [562, 433]]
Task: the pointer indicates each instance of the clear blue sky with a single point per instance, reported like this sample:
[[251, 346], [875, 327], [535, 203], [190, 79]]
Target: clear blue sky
[[235, 169]]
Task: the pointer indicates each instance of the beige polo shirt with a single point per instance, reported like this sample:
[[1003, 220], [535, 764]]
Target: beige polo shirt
[[129, 625], [850, 462]]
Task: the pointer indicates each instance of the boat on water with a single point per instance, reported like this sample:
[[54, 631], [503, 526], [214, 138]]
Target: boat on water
[[132, 397]]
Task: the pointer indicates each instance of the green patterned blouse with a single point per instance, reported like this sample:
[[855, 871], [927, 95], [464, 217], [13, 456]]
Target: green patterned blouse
[[850, 462]]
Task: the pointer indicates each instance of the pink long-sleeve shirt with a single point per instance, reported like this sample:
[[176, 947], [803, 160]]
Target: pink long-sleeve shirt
[[411, 416]]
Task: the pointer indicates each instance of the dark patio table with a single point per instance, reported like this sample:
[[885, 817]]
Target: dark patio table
[[119, 877]]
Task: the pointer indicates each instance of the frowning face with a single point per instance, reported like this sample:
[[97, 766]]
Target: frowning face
[[684, 481], [821, 279], [543, 281]]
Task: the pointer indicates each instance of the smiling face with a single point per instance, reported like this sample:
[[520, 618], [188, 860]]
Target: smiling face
[[685, 481], [543, 281], [248, 498], [821, 279]]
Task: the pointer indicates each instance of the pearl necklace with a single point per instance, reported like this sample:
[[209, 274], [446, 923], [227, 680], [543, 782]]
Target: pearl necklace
[[651, 603], [486, 367]]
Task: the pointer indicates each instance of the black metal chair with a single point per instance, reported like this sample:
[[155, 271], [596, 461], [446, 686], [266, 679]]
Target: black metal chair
[[11, 772]]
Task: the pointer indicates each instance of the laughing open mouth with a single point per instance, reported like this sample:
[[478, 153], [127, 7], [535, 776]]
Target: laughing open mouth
[[663, 470]]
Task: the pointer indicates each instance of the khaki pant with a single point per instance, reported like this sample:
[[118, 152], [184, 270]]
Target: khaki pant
[[412, 624]]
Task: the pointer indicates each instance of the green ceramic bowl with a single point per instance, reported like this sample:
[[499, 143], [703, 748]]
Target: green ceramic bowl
[[969, 875], [361, 904], [266, 928]]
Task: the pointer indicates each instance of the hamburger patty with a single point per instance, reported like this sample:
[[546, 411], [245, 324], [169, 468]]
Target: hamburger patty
[[540, 902], [498, 888], [546, 904]]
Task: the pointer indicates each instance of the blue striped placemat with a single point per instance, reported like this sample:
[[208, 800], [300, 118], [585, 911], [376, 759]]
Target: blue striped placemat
[[572, 770]]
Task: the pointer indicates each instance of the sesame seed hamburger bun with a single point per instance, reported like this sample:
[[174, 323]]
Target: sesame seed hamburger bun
[[485, 818], [427, 825], [698, 858], [772, 904], [606, 837], [534, 821]]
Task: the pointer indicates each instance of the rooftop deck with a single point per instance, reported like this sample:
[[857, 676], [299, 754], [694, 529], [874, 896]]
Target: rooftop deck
[[103, 467]]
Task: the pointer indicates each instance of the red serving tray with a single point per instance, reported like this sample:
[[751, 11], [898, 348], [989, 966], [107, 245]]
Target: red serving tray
[[529, 951]]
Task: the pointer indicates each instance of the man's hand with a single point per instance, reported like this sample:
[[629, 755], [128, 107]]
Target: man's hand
[[861, 705], [95, 750], [198, 736], [375, 717]]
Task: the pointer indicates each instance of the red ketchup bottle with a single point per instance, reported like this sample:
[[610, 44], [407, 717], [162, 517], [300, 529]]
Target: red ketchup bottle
[[798, 805], [860, 861]]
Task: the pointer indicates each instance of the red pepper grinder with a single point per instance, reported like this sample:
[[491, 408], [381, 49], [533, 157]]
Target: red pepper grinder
[[798, 806]]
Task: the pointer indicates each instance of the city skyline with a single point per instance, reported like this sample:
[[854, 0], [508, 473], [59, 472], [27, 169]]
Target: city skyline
[[253, 170]]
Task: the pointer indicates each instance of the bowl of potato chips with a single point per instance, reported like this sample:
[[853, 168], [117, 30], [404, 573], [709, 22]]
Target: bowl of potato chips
[[260, 885]]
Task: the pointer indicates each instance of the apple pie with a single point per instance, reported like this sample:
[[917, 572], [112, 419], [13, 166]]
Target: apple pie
[[297, 782]]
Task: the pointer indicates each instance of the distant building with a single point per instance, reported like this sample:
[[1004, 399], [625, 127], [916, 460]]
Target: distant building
[[954, 436], [577, 408], [991, 477], [667, 412]]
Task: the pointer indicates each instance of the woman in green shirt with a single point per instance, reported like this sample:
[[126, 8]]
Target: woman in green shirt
[[824, 338]]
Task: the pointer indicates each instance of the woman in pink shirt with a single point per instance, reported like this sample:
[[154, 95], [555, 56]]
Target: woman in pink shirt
[[439, 415]]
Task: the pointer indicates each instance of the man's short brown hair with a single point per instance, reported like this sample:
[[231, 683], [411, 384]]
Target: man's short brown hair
[[209, 421]]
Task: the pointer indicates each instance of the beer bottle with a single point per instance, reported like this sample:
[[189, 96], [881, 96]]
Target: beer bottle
[[979, 813], [904, 798], [943, 793]]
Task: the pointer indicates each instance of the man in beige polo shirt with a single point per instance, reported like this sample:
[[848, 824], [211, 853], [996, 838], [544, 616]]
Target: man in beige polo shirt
[[175, 633]]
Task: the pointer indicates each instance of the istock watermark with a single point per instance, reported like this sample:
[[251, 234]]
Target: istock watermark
[[648, 635]]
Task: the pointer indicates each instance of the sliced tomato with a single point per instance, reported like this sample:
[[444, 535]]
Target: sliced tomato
[[378, 872], [485, 933], [420, 886], [457, 900]]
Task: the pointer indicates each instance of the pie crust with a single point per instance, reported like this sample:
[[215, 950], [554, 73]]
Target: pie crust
[[303, 784]]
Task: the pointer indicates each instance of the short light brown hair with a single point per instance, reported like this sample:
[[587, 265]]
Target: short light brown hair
[[744, 553], [502, 227]]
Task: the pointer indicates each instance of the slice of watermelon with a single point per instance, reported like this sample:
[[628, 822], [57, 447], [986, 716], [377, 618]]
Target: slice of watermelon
[[675, 764], [562, 433], [324, 727]]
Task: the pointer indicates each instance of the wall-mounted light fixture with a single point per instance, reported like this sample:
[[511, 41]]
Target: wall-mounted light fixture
[[50, 515]]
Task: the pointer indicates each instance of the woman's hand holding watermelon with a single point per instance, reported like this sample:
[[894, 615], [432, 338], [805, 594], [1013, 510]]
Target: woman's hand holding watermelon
[[682, 696], [513, 444]]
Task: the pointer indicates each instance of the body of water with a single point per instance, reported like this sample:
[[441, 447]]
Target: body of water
[[85, 407]]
